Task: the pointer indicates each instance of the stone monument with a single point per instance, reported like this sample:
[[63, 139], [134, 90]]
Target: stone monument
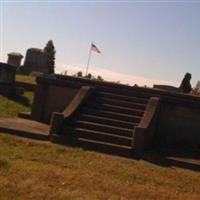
[[14, 59], [7, 78], [35, 61]]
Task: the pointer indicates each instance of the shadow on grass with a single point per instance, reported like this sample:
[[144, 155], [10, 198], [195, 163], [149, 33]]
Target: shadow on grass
[[19, 99], [182, 158], [26, 134], [167, 157], [173, 157]]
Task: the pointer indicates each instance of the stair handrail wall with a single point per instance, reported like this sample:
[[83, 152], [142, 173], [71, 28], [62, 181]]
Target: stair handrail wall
[[58, 117], [145, 131]]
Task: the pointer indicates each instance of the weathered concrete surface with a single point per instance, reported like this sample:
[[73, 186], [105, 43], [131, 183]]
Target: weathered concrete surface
[[167, 88], [59, 117], [144, 133], [25, 128], [179, 124], [51, 97]]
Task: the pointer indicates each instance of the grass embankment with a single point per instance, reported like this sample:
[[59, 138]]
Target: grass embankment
[[31, 170], [25, 79], [11, 106]]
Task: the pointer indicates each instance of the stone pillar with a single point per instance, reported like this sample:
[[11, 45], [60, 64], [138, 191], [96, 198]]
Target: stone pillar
[[39, 101], [7, 78], [14, 59], [7, 74]]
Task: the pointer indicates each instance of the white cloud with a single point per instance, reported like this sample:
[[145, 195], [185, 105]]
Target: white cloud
[[110, 75]]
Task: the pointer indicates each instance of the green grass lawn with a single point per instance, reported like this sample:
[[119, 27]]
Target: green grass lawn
[[26, 79], [11, 106]]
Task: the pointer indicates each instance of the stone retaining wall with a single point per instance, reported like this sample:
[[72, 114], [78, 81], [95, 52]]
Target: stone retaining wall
[[178, 120]]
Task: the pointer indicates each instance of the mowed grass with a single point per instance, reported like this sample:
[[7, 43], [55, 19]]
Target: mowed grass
[[26, 79], [11, 106], [39, 170]]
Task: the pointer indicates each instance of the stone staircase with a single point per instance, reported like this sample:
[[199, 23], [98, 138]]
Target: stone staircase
[[106, 121]]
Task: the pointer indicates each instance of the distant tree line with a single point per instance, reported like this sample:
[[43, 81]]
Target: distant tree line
[[89, 76]]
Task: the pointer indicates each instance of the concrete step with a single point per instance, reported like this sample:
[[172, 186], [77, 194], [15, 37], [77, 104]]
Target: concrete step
[[121, 97], [123, 92], [104, 128], [107, 121], [116, 102], [113, 108], [25, 128], [90, 144], [102, 136], [107, 147], [112, 115], [24, 115]]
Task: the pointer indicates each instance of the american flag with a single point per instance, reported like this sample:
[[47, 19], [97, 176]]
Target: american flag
[[95, 49]]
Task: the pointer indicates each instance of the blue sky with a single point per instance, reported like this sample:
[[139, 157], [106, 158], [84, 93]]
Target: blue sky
[[152, 40]]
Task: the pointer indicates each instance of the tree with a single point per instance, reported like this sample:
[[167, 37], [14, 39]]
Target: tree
[[196, 90], [80, 74], [185, 84], [99, 78], [50, 50], [89, 76]]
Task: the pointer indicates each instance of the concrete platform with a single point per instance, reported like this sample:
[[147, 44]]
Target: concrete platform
[[25, 128]]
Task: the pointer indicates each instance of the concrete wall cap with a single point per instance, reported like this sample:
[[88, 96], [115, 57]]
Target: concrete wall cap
[[16, 54], [35, 50]]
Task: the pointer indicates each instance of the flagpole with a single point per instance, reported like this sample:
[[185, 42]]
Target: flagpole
[[89, 57]]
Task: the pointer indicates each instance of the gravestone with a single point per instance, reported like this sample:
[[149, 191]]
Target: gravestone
[[14, 59], [7, 74], [7, 80], [35, 61]]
